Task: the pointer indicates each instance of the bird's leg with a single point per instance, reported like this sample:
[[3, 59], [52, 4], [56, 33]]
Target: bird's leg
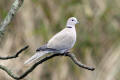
[[66, 52]]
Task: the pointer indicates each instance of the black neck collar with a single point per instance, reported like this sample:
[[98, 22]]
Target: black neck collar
[[69, 27]]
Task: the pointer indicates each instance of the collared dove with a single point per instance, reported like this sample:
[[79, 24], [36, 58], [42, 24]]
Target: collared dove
[[60, 43]]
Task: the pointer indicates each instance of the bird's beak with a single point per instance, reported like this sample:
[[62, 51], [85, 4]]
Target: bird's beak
[[77, 22]]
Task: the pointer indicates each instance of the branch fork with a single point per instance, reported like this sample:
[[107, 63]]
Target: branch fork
[[67, 54]]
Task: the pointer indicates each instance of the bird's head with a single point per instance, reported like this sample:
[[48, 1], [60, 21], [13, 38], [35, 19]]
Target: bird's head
[[72, 21]]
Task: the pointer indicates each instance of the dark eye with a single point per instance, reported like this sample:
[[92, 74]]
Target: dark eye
[[72, 20]]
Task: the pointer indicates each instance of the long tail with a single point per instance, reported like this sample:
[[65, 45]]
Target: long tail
[[35, 57]]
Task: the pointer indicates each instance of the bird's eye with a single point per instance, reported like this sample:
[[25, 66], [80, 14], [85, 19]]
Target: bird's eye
[[72, 20]]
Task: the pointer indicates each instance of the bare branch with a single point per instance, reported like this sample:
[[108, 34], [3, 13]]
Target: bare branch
[[16, 55], [15, 6], [52, 56], [73, 58], [8, 72]]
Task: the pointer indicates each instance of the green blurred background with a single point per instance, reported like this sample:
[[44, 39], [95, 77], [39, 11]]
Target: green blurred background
[[97, 45]]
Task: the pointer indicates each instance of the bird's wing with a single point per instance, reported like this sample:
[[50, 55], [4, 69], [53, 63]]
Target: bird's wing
[[42, 48], [62, 40]]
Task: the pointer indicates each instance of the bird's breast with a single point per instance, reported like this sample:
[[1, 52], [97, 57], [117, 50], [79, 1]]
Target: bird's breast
[[63, 40]]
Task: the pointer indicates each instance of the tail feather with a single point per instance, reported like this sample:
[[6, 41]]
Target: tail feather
[[35, 57]]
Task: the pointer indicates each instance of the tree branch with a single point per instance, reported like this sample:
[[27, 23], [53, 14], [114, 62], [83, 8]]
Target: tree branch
[[8, 72], [16, 55], [73, 58], [14, 8]]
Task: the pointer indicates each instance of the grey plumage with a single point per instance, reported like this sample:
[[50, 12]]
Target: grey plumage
[[35, 57], [61, 42]]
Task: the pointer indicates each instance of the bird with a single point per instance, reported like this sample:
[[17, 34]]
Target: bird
[[61, 42]]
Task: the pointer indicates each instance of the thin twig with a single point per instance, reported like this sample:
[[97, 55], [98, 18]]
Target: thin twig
[[8, 72], [73, 58], [14, 8], [16, 55]]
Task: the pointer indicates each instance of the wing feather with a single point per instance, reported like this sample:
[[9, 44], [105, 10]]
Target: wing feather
[[62, 40]]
